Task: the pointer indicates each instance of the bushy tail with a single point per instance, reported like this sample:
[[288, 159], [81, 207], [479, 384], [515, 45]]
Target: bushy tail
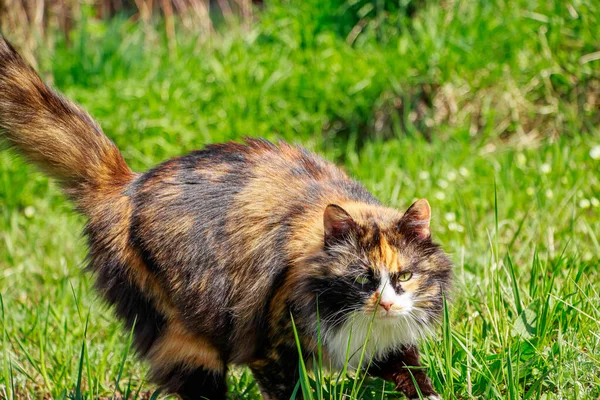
[[56, 134]]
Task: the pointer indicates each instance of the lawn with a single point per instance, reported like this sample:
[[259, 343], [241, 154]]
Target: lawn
[[488, 109]]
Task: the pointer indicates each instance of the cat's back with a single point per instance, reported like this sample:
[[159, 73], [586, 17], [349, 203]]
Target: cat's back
[[258, 176], [216, 201]]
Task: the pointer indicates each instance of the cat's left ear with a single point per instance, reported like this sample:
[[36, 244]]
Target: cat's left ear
[[416, 219], [338, 225]]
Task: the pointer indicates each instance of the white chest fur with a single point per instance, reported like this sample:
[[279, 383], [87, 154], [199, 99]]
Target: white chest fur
[[378, 337]]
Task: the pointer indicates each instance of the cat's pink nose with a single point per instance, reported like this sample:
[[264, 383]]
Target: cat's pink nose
[[386, 304]]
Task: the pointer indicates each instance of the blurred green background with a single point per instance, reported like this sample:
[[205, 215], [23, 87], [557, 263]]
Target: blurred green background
[[488, 109]]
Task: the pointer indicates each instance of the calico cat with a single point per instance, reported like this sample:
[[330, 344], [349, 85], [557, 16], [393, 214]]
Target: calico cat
[[209, 257]]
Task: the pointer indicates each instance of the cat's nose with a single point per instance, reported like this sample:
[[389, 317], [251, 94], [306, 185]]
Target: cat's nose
[[386, 304]]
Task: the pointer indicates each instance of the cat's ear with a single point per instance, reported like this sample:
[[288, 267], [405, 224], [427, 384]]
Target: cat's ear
[[416, 219], [337, 224]]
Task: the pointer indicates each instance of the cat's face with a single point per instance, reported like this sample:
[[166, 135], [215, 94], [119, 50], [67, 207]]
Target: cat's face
[[381, 266]]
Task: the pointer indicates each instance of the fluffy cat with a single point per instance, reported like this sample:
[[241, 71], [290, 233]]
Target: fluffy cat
[[208, 256]]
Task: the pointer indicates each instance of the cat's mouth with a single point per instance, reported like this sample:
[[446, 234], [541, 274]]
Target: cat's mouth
[[387, 315]]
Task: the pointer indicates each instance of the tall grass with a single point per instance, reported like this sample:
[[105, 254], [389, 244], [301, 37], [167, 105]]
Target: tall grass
[[39, 23]]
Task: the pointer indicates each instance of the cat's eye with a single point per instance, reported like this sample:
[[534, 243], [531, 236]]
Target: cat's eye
[[403, 277], [362, 279]]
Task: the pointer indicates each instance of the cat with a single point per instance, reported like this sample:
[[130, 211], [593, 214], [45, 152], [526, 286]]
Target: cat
[[215, 257]]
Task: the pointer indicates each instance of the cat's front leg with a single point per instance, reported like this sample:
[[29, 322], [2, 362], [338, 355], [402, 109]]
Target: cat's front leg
[[400, 368], [277, 374]]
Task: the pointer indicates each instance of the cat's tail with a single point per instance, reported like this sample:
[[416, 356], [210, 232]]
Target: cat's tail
[[56, 134]]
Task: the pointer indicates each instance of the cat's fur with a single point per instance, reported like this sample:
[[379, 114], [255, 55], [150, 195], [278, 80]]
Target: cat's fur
[[212, 254]]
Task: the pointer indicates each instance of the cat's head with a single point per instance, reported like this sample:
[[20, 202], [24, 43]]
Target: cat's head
[[380, 263]]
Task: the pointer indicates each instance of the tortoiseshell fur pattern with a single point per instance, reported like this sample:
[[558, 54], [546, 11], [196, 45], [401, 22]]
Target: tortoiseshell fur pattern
[[211, 254]]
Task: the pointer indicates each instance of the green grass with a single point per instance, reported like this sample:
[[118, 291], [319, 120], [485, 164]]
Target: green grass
[[488, 110]]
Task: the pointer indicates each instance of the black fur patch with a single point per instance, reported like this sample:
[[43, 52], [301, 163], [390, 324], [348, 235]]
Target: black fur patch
[[337, 296], [278, 377], [193, 384], [131, 305]]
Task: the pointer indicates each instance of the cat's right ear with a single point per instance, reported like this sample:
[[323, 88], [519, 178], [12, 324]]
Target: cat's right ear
[[338, 224], [416, 220]]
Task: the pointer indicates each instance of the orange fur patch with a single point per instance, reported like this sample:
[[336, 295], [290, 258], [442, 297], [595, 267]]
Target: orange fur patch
[[177, 346]]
